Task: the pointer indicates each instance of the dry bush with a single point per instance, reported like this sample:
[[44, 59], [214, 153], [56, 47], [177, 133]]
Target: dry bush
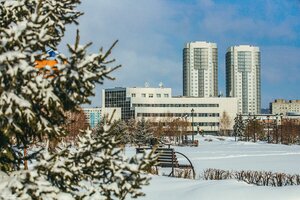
[[183, 173], [259, 178], [216, 174], [153, 170]]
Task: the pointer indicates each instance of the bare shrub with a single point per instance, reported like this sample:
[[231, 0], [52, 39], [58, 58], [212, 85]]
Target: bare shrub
[[153, 170], [183, 173], [259, 178], [216, 174]]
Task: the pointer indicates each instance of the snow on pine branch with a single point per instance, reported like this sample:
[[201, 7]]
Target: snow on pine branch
[[94, 169], [79, 73], [27, 28]]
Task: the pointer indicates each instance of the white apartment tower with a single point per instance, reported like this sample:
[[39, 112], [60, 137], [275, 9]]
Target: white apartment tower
[[243, 77], [200, 69]]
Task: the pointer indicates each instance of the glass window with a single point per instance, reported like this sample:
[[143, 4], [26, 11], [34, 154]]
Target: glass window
[[133, 95], [143, 95], [166, 95], [150, 95], [158, 95]]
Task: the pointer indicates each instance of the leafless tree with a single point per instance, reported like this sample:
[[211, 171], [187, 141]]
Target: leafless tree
[[76, 121], [289, 129], [254, 130], [225, 123]]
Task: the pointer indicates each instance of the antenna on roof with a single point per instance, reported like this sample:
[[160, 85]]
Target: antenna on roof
[[220, 94], [161, 85], [147, 84]]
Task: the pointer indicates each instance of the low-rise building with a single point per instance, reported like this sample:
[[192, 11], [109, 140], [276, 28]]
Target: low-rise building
[[157, 104], [281, 106], [93, 116]]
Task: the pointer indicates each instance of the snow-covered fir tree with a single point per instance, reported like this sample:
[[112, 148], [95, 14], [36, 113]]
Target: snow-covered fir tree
[[94, 169], [119, 127], [129, 136], [33, 103], [239, 126], [144, 132], [32, 106]]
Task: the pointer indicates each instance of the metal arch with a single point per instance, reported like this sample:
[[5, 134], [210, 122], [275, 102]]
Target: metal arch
[[194, 174]]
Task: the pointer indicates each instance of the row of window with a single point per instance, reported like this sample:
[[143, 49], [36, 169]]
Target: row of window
[[205, 124], [175, 105], [178, 114], [144, 95]]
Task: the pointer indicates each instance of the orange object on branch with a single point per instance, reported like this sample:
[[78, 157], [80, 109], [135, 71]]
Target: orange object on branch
[[41, 64]]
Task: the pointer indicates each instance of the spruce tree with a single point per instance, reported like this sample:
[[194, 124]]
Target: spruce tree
[[94, 169], [32, 106], [144, 132], [239, 126], [130, 131]]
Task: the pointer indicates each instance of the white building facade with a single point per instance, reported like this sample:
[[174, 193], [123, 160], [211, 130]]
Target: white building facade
[[200, 69], [243, 77], [281, 106], [157, 104]]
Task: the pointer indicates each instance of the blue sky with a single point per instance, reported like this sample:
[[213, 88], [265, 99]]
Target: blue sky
[[152, 33]]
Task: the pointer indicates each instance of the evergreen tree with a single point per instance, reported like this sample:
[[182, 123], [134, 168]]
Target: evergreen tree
[[95, 169], [130, 131], [144, 132], [239, 126], [32, 106], [119, 127]]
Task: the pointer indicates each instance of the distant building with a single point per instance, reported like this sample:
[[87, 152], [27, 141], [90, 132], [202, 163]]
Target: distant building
[[157, 104], [265, 111], [281, 106], [93, 116], [200, 69], [243, 78]]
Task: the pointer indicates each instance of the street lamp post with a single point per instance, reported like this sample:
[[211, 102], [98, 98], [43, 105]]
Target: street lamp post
[[281, 128], [254, 123], [298, 130], [184, 137], [268, 117], [276, 129], [248, 127], [192, 112]]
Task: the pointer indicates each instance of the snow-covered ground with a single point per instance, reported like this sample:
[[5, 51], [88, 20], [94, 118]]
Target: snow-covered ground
[[230, 155]]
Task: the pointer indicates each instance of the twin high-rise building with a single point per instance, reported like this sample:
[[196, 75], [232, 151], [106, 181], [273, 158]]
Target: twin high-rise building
[[200, 69], [200, 74], [243, 77]]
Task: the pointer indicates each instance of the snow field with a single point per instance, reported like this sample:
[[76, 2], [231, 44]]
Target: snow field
[[224, 153]]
